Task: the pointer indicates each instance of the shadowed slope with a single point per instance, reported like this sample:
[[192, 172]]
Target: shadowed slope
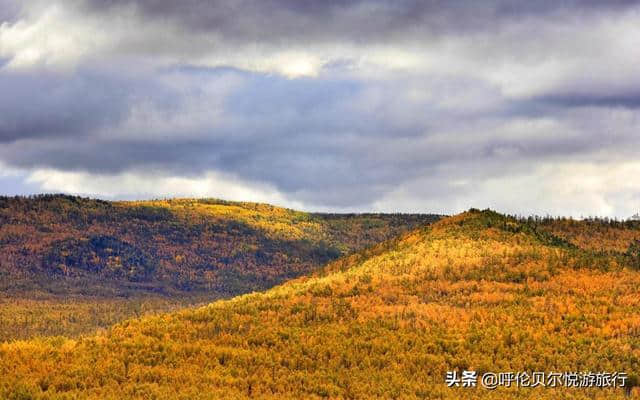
[[63, 243]]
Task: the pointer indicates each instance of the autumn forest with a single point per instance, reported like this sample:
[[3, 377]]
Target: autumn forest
[[209, 299]]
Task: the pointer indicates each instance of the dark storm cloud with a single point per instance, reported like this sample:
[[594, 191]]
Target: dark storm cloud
[[299, 135], [48, 105], [356, 21], [312, 139], [607, 100]]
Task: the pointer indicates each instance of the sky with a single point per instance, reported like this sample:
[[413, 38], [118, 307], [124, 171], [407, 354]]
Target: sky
[[526, 107]]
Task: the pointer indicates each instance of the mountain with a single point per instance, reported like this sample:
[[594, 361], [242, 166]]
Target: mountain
[[478, 291]]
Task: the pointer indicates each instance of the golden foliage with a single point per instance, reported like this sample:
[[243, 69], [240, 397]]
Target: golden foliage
[[62, 243], [476, 291]]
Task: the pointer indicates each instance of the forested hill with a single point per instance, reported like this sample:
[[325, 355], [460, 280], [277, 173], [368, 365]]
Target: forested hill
[[72, 245], [478, 291]]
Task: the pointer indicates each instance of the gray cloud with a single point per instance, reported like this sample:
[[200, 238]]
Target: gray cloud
[[496, 100], [347, 20], [333, 142], [624, 100], [9, 10], [48, 105]]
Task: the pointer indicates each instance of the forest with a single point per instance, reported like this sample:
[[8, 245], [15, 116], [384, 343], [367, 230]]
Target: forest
[[477, 291], [168, 245], [71, 265]]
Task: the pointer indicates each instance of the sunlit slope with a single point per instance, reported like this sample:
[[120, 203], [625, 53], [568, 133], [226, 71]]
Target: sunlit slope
[[477, 291], [63, 244]]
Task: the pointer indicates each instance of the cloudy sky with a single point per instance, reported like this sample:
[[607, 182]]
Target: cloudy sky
[[361, 105]]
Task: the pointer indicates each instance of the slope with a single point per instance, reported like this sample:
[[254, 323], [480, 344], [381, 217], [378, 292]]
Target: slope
[[478, 291], [69, 265], [595, 234], [187, 244]]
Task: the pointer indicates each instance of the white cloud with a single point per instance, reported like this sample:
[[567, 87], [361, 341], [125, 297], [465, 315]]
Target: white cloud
[[144, 185], [6, 171], [51, 36], [578, 189]]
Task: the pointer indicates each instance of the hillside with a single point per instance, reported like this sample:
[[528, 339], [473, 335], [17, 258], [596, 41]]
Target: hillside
[[69, 265], [595, 234], [478, 291], [52, 242]]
